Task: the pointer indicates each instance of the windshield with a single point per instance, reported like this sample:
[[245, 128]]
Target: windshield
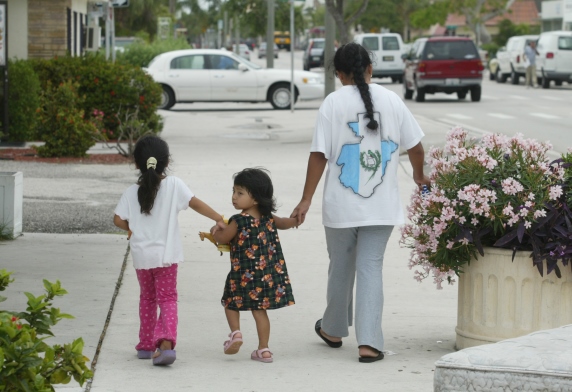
[[450, 50]]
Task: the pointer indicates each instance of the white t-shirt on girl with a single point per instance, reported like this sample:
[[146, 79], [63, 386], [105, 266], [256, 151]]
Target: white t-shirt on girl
[[156, 240], [361, 180]]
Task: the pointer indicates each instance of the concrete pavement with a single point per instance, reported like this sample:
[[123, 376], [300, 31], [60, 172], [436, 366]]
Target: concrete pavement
[[207, 149]]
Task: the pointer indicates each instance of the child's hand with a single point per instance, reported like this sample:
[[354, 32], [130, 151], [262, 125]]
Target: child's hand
[[129, 232], [220, 225]]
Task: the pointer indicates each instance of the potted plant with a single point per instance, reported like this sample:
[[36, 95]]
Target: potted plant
[[497, 216]]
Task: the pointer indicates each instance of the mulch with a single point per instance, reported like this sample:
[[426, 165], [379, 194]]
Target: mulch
[[29, 154]]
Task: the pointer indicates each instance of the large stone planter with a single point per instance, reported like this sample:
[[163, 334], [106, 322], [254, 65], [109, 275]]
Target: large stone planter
[[11, 201], [501, 299]]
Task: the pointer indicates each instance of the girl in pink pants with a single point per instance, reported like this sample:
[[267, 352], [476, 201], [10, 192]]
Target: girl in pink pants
[[148, 210]]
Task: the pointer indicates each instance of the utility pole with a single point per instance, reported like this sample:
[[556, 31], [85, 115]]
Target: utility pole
[[330, 80], [292, 92], [270, 36]]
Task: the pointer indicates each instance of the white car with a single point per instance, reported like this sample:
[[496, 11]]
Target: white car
[[243, 51], [212, 75], [387, 50]]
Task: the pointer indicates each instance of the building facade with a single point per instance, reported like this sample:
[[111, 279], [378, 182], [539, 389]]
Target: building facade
[[46, 28], [556, 15]]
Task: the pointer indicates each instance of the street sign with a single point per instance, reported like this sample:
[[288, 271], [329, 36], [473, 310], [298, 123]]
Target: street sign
[[119, 3]]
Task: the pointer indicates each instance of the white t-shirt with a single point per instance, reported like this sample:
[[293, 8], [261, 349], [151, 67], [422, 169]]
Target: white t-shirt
[[361, 179], [156, 240]]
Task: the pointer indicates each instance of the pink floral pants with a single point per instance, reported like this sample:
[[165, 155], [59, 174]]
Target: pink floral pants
[[158, 289]]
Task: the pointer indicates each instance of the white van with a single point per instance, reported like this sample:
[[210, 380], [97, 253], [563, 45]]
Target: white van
[[386, 49], [554, 59], [510, 59]]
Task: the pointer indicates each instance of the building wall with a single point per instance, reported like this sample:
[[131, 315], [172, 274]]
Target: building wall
[[47, 28], [18, 29]]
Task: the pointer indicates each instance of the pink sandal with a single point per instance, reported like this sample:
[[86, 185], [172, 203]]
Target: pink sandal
[[233, 345], [257, 355]]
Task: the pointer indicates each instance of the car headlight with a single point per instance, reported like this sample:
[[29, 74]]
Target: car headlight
[[312, 80]]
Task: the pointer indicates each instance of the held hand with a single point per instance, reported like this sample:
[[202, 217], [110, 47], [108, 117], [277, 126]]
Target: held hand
[[129, 233], [421, 180], [220, 225], [300, 212]]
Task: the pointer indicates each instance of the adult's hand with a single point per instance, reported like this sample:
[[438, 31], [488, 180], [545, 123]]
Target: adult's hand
[[421, 180], [300, 212]]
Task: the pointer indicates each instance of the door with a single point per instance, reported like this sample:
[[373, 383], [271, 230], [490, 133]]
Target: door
[[230, 83], [391, 53], [372, 44], [190, 77], [564, 54]]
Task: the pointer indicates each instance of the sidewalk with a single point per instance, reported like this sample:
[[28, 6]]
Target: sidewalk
[[207, 149]]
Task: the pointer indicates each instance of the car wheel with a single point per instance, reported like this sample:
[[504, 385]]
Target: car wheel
[[400, 79], [420, 95], [407, 94], [558, 82], [306, 67], [462, 94], [514, 77], [476, 93], [545, 82], [279, 96], [492, 75], [500, 77], [167, 98]]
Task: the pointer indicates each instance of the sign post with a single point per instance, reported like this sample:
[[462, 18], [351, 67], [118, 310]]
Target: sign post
[[4, 62]]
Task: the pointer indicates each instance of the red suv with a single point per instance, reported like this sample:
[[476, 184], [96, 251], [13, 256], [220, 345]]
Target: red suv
[[443, 65]]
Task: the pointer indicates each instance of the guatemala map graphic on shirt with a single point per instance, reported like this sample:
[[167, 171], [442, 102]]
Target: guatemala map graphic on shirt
[[363, 162]]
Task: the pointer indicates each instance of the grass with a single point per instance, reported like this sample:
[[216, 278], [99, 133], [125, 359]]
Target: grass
[[5, 233]]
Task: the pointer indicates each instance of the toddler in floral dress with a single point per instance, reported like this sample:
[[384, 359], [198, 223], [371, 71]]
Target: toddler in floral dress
[[258, 278]]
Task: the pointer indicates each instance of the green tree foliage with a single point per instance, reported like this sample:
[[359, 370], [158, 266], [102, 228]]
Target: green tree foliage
[[140, 16], [253, 15]]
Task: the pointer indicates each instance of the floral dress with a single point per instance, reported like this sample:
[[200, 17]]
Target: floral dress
[[258, 278]]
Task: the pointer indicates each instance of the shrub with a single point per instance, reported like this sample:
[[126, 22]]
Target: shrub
[[63, 126], [27, 362], [24, 99], [140, 54], [111, 88]]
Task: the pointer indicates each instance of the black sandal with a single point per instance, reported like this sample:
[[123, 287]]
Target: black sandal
[[379, 357], [328, 341]]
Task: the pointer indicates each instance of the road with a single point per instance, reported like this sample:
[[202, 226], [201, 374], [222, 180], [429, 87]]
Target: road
[[543, 114]]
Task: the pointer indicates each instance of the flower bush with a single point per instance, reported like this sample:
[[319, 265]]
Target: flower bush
[[499, 191]]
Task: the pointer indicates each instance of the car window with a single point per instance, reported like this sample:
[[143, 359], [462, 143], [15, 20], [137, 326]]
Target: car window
[[318, 45], [222, 62], [450, 50], [188, 62], [371, 43], [565, 43], [389, 43]]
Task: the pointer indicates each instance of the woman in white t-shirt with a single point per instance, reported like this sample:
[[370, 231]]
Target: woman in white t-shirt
[[148, 211], [359, 131]]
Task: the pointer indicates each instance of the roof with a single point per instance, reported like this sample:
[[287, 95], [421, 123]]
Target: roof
[[521, 11]]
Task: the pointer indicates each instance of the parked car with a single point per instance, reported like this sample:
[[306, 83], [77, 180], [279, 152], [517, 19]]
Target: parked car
[[511, 59], [262, 50], [212, 75], [554, 59], [313, 55], [443, 65], [387, 50], [492, 65], [243, 51]]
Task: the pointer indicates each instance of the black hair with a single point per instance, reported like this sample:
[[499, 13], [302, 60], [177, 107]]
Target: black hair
[[150, 178], [258, 183], [352, 59]]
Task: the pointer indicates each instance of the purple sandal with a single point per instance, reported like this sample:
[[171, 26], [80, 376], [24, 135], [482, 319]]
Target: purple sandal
[[257, 355], [233, 345], [144, 354], [166, 357]]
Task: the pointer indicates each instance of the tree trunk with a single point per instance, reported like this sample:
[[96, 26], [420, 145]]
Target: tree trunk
[[336, 8]]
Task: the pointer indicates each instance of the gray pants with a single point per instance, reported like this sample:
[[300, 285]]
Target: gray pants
[[351, 250]]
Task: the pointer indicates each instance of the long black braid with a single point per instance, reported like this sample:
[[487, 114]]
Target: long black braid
[[352, 59]]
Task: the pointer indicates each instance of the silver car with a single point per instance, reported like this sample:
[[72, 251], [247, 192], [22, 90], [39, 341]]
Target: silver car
[[262, 50]]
